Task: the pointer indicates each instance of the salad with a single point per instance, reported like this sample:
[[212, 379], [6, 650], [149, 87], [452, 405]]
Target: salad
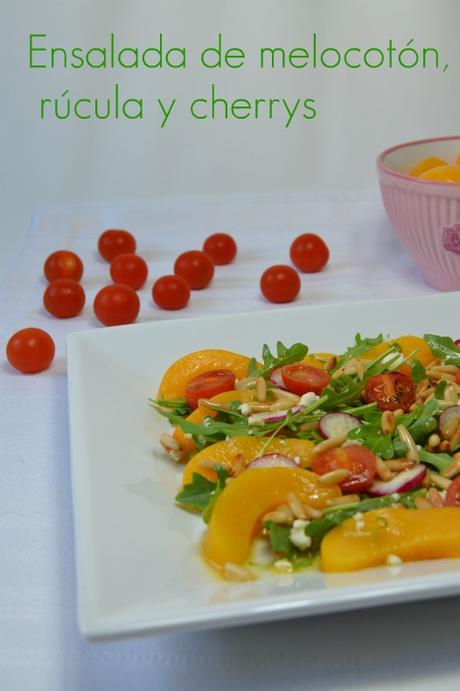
[[346, 461]]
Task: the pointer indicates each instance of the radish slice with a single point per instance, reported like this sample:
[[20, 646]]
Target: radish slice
[[276, 378], [449, 420], [334, 425], [402, 482], [273, 460], [260, 418], [457, 341]]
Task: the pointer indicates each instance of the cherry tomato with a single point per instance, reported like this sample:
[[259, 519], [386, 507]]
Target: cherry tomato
[[64, 298], [63, 264], [221, 248], [129, 269], [209, 384], [390, 391], [453, 493], [116, 304], [30, 350], [196, 268], [114, 242], [457, 376], [301, 379], [171, 292], [309, 253], [280, 283], [359, 460]]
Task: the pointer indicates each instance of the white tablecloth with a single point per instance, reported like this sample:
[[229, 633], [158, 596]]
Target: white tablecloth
[[400, 647]]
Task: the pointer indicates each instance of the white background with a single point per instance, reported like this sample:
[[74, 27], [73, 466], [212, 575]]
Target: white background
[[360, 112]]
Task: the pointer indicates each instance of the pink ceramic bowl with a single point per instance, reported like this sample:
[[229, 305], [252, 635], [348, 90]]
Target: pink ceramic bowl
[[426, 215]]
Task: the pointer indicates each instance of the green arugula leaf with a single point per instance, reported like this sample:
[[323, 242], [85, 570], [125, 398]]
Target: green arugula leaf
[[284, 356], [279, 538], [202, 493], [177, 406], [418, 371], [444, 348], [360, 346], [441, 461], [439, 390]]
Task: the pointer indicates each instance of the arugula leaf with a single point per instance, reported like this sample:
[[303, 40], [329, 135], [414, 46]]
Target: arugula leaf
[[441, 461], [279, 538], [178, 406], [444, 348], [202, 493], [418, 371], [284, 356], [360, 346], [439, 390]]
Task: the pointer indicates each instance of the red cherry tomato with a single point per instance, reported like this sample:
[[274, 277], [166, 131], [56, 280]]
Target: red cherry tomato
[[129, 269], [221, 248], [209, 384], [309, 253], [280, 283], [196, 268], [457, 376], [301, 379], [30, 350], [453, 493], [63, 264], [390, 391], [358, 460], [64, 298], [114, 242], [116, 304], [170, 292]]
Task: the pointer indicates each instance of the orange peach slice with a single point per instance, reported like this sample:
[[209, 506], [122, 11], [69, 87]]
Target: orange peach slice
[[175, 380], [243, 450], [427, 164], [239, 510], [409, 534]]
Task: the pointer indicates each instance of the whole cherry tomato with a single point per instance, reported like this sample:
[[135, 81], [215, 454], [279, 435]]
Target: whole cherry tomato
[[280, 283], [196, 268], [64, 298], [301, 379], [390, 391], [63, 264], [221, 248], [114, 242], [358, 460], [453, 493], [30, 350], [209, 384], [309, 253], [171, 292], [116, 304], [129, 269]]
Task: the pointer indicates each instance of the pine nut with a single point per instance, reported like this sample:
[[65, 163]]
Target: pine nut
[[434, 441], [282, 516], [398, 412], [398, 464], [422, 503], [168, 443], [296, 506], [347, 499], [330, 363], [444, 445], [440, 481], [422, 387], [435, 498], [383, 471], [261, 389], [408, 440], [450, 393], [453, 469], [329, 444], [388, 422], [334, 477]]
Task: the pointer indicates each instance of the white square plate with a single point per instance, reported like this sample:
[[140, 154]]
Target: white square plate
[[138, 561]]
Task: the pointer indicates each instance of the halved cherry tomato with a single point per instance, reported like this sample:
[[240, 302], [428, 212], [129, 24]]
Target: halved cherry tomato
[[390, 391], [359, 460], [209, 384], [301, 379], [453, 493]]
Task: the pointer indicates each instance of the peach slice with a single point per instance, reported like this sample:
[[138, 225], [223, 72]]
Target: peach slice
[[243, 450], [238, 511], [427, 164], [177, 376], [409, 534]]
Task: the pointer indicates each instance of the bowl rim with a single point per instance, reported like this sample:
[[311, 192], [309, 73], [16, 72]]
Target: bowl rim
[[404, 176]]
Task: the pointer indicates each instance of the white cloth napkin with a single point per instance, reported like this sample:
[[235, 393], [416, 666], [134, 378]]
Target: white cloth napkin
[[403, 647]]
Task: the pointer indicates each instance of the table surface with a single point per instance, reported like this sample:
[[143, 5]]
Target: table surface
[[413, 646]]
